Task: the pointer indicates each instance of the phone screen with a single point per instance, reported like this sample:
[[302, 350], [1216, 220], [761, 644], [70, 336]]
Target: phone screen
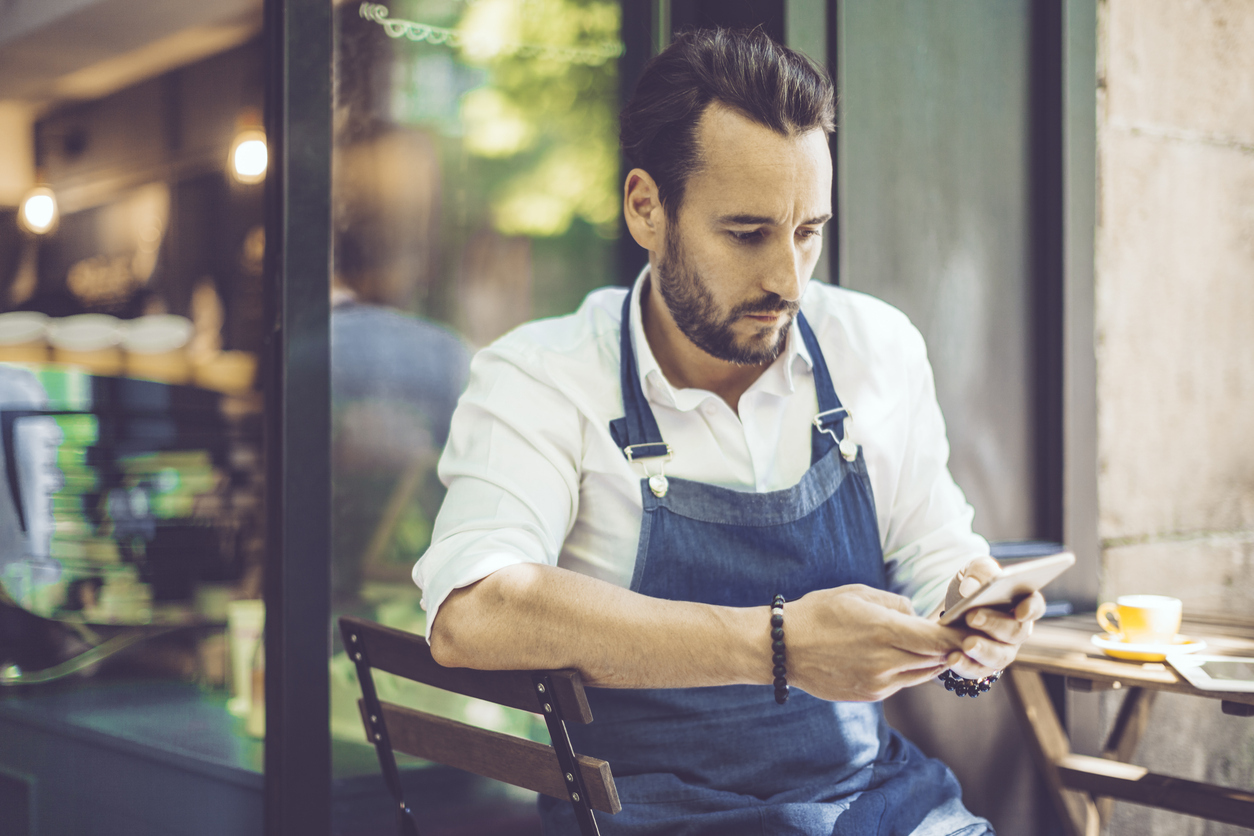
[[1229, 671]]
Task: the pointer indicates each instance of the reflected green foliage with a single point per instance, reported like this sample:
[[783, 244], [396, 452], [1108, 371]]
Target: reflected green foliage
[[539, 126], [477, 187]]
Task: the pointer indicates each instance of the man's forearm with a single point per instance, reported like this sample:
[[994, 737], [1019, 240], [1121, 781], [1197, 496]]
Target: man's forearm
[[530, 616]]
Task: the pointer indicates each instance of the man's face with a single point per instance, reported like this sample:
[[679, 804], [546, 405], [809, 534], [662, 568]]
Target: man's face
[[736, 259]]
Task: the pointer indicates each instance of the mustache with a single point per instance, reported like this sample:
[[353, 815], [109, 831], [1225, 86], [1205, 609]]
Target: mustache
[[770, 303]]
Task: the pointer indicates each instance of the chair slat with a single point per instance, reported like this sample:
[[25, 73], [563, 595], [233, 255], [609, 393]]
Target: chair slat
[[501, 757], [408, 655]]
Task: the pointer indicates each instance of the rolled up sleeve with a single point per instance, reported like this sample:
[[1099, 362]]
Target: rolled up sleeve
[[511, 467], [930, 536]]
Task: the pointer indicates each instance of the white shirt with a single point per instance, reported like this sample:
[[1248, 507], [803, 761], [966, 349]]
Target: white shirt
[[533, 474]]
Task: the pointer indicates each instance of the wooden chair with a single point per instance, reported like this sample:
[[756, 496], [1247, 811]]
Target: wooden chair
[[556, 695]]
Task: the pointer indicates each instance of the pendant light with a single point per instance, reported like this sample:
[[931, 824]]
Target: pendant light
[[38, 212], [249, 155]]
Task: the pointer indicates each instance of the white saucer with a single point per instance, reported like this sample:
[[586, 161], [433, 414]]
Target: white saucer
[[1154, 652]]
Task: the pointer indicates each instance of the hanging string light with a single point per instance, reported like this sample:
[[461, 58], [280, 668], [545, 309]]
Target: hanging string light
[[592, 56]]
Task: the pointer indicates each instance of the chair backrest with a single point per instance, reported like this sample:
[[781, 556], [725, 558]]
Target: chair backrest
[[558, 696]]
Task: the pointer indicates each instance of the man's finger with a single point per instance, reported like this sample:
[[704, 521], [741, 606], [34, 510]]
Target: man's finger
[[1030, 608], [981, 569], [969, 669], [988, 653], [970, 578], [925, 638], [910, 661], [910, 678], [1001, 626]]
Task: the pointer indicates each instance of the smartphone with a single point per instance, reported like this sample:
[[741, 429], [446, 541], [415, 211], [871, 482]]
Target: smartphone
[[1216, 673], [1016, 582]]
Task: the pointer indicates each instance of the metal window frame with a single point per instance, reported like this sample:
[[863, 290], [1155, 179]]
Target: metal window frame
[[298, 39]]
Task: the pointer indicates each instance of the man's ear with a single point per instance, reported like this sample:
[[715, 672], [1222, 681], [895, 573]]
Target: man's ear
[[642, 209]]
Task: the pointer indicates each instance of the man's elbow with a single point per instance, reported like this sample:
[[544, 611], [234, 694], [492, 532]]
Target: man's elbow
[[462, 634], [446, 635], [476, 626]]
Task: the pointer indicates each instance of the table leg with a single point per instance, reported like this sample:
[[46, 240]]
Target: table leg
[[1050, 745], [1075, 781], [1124, 737], [1129, 725]]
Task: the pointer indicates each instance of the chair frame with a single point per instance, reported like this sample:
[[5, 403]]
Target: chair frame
[[557, 695]]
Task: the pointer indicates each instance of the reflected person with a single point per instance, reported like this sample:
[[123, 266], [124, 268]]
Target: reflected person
[[395, 380]]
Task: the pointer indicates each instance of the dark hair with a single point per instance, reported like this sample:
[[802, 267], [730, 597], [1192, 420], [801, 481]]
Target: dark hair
[[746, 71]]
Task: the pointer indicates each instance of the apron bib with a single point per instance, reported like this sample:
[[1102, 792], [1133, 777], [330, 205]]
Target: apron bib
[[728, 760]]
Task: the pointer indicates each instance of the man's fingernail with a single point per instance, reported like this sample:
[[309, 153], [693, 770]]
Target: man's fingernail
[[978, 620], [968, 586]]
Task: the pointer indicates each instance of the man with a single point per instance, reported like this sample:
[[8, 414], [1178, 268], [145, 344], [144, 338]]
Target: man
[[631, 486]]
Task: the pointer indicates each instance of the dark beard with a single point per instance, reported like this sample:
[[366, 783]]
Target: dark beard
[[688, 298]]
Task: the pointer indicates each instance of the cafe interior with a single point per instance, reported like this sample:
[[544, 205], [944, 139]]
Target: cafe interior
[[248, 249]]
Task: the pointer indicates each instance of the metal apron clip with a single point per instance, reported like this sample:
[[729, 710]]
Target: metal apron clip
[[848, 449], [658, 483]]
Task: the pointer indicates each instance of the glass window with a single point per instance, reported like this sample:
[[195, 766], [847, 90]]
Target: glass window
[[475, 187], [131, 495]]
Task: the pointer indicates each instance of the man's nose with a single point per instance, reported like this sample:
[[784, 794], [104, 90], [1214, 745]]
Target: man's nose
[[786, 273]]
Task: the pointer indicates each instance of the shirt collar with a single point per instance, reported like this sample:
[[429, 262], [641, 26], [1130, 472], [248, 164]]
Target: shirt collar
[[776, 380]]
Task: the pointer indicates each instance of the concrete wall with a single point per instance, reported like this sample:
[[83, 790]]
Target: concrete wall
[[1175, 347]]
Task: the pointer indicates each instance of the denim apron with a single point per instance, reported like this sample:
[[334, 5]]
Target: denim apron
[[728, 760]]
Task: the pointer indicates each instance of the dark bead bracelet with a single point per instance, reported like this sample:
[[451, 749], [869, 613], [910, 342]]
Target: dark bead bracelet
[[964, 687], [779, 656]]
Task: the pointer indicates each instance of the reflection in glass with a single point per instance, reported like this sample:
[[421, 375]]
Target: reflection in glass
[[131, 499], [27, 569], [475, 188]]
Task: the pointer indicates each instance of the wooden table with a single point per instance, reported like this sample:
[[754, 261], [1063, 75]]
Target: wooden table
[[1082, 786]]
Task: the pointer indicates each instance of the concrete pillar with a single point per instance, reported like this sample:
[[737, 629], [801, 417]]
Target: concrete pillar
[[1174, 289]]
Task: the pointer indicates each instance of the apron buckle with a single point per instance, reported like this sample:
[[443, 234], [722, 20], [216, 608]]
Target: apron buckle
[[848, 449], [655, 450], [658, 483]]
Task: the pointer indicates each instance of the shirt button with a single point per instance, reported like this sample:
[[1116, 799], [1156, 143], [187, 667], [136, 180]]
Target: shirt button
[[709, 407]]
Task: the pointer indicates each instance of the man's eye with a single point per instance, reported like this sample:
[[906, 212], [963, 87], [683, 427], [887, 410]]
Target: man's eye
[[746, 237], [809, 233]]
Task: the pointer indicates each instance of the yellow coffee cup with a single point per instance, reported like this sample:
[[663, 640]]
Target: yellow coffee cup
[[1142, 619]]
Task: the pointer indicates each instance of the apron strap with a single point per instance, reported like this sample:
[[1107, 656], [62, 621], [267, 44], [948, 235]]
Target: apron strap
[[637, 433], [832, 414]]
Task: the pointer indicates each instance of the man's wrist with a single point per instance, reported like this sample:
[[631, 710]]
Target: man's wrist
[[749, 644]]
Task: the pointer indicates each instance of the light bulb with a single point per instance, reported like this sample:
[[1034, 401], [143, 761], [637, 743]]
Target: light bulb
[[249, 157], [39, 210]]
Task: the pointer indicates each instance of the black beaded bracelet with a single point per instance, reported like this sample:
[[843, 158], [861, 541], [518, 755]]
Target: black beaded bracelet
[[964, 687], [778, 657]]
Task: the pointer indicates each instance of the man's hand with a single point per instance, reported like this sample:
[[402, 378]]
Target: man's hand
[[998, 634], [859, 643]]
